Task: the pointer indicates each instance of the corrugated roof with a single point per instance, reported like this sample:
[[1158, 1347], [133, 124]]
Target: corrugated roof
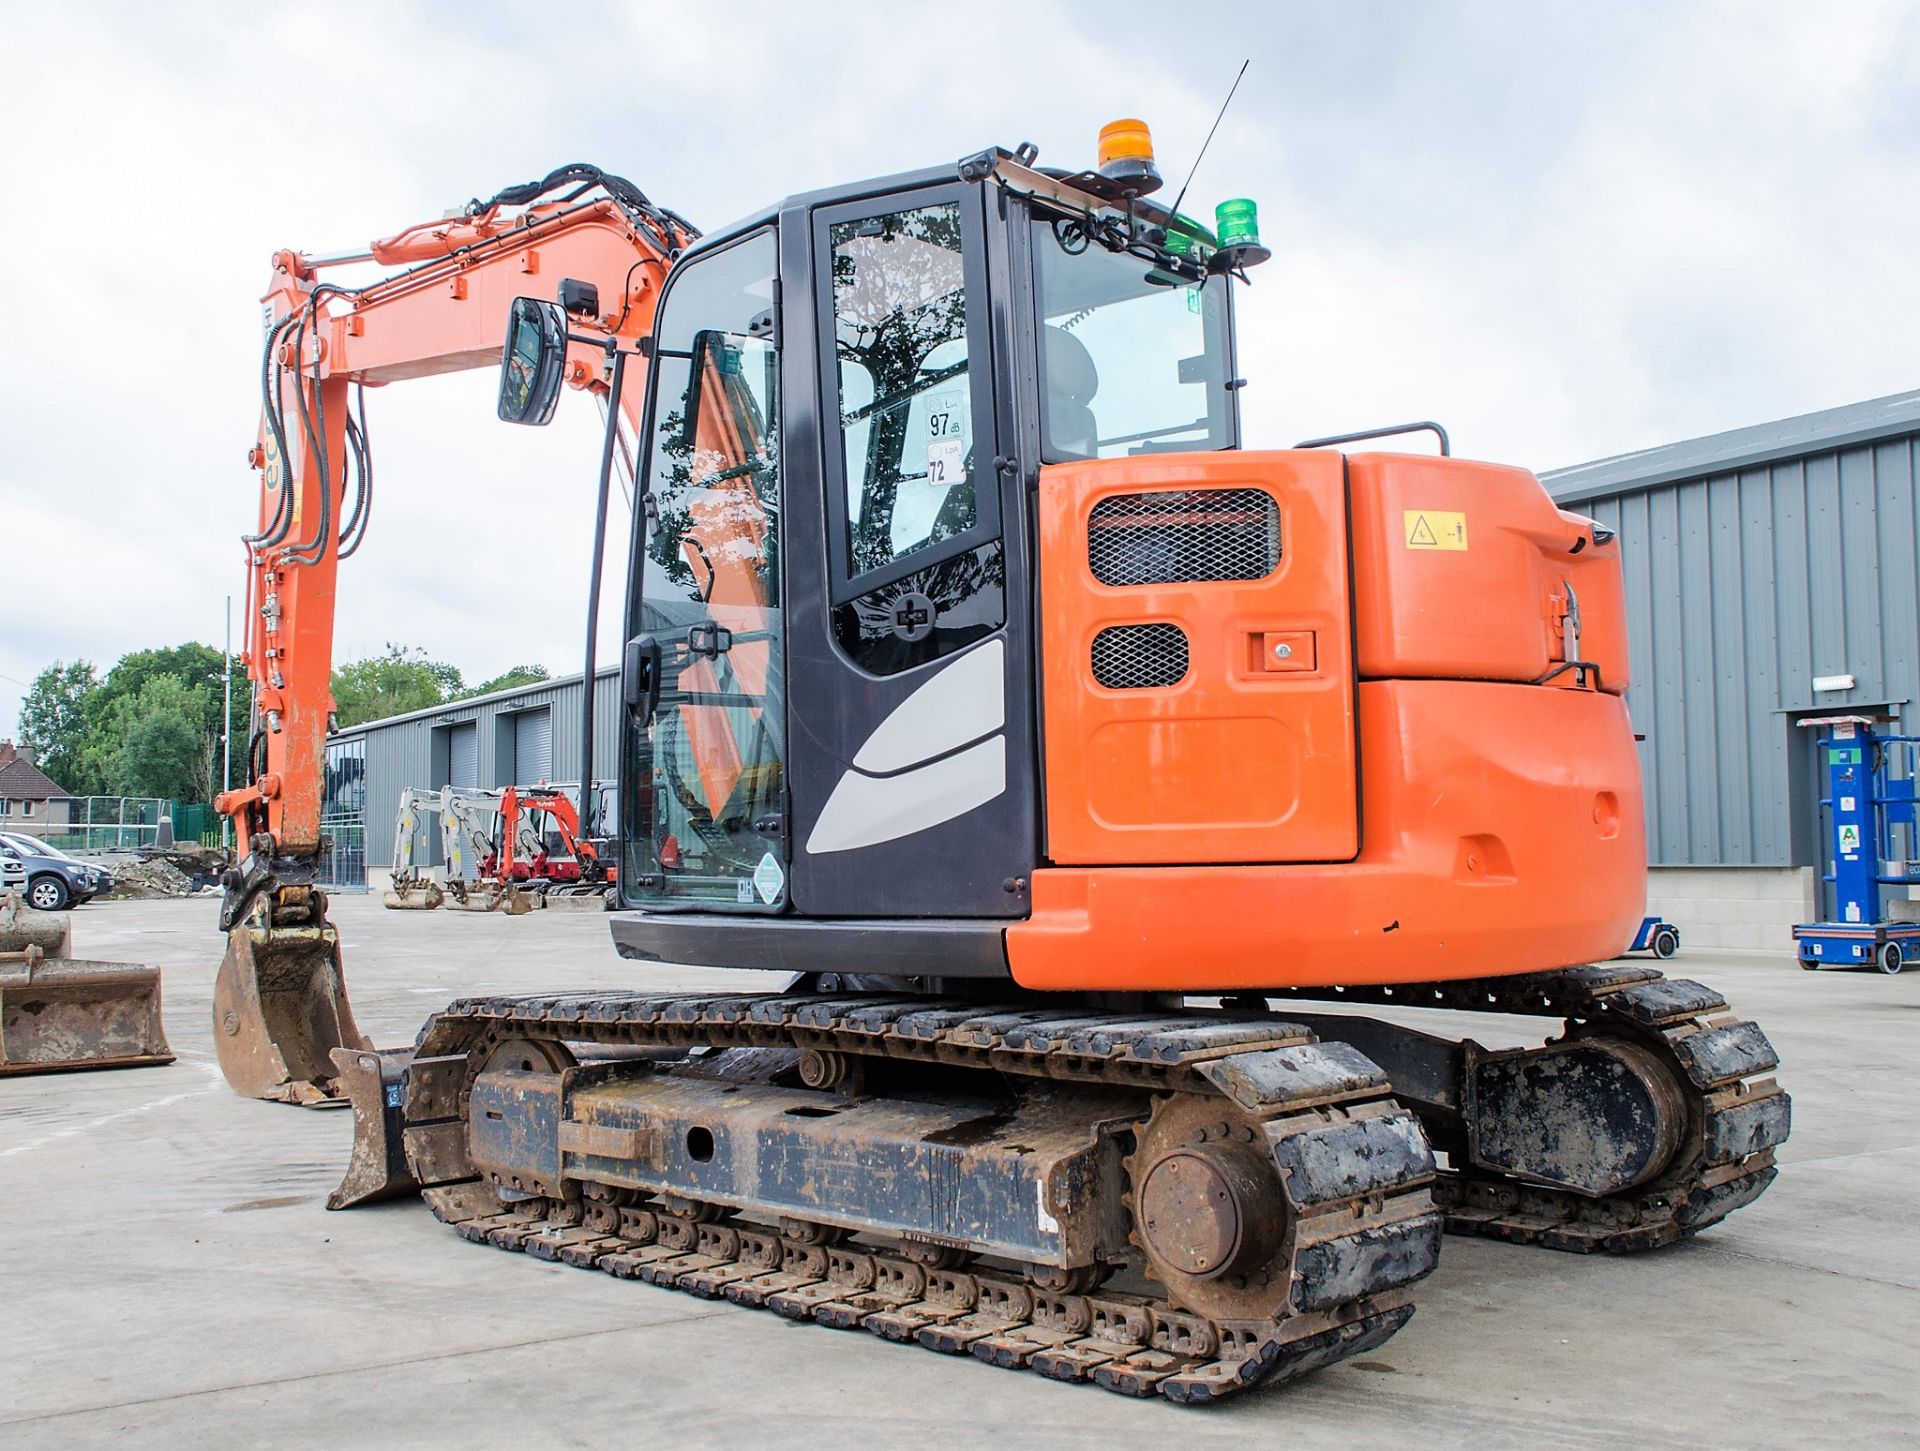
[[21, 780], [1894, 416], [497, 697]]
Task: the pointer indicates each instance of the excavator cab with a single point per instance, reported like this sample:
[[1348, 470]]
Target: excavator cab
[[852, 395], [965, 641]]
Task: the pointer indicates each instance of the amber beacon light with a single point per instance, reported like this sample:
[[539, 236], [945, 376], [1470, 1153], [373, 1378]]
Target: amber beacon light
[[1126, 156]]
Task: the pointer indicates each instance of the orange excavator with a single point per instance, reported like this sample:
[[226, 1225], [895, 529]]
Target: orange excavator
[[541, 843], [1120, 798]]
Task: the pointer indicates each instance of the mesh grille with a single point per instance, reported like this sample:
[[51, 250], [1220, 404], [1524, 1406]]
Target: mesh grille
[[1184, 536], [1140, 657]]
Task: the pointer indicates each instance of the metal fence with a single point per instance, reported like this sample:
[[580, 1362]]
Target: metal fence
[[195, 821], [128, 823], [343, 854], [105, 823]]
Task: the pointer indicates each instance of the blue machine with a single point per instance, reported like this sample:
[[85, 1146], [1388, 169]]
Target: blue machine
[[1658, 936], [1869, 780]]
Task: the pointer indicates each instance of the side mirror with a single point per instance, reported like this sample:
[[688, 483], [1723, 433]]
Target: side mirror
[[533, 361]]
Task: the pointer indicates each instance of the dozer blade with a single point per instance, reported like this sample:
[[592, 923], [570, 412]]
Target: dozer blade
[[375, 1083], [70, 1014], [279, 1010], [414, 897]]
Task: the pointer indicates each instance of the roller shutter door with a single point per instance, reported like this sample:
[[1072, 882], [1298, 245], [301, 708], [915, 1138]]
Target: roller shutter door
[[463, 755], [533, 747]]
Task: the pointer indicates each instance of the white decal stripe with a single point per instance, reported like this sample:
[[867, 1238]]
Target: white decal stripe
[[866, 810], [963, 702]]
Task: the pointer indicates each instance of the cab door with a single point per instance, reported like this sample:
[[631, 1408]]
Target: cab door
[[912, 767]]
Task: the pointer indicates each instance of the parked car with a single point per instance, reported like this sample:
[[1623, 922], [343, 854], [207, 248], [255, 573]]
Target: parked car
[[55, 881], [13, 873]]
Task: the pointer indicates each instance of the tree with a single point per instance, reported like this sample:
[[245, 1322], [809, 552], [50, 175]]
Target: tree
[[162, 741], [53, 720], [515, 676], [112, 710], [401, 680]]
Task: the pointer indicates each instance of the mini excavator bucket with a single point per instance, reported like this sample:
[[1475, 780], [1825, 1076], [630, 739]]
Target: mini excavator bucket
[[489, 895], [280, 1009], [59, 1013], [414, 894]]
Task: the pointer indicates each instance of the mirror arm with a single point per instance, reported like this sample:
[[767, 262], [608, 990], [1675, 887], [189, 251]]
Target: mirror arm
[[593, 576]]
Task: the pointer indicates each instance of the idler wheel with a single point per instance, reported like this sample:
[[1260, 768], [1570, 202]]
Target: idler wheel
[[1209, 1210], [1593, 1113], [1197, 1208]]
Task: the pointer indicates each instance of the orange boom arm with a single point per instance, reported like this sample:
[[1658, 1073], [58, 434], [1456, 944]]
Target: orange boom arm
[[593, 239]]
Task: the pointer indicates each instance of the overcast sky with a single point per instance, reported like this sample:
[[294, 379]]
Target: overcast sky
[[1565, 231]]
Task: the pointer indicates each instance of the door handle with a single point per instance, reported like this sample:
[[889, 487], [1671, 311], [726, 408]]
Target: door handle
[[640, 678]]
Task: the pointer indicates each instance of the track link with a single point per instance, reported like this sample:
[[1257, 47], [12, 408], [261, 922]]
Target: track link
[[1353, 1167], [1737, 1113]]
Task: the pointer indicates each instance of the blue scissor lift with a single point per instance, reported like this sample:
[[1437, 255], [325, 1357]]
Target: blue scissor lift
[[1869, 778]]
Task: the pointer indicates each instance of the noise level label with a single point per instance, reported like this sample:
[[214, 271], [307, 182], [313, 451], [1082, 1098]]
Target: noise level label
[[1435, 528]]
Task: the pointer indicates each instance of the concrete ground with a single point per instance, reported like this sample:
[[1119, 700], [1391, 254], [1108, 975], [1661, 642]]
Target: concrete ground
[[168, 1274]]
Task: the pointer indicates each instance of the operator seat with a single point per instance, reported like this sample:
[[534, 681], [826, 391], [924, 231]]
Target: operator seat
[[1071, 382]]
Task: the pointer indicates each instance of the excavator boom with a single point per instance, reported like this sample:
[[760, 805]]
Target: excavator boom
[[597, 243]]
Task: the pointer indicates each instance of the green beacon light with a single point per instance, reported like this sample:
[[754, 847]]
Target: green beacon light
[[1238, 224]]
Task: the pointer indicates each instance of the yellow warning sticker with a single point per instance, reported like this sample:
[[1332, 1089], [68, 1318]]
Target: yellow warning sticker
[[1435, 528]]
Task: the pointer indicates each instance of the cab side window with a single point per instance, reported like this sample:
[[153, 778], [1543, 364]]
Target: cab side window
[[900, 342]]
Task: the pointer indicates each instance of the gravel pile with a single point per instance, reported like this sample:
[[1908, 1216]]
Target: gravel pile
[[144, 880]]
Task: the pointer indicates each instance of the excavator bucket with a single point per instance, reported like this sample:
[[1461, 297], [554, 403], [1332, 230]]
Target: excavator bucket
[[58, 1013], [418, 895], [494, 896], [375, 1084], [279, 1010]]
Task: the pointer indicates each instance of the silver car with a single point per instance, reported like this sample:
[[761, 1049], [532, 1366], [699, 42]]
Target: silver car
[[55, 881]]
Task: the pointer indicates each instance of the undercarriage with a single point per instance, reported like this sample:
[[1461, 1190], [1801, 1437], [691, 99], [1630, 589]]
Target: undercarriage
[[1182, 1202]]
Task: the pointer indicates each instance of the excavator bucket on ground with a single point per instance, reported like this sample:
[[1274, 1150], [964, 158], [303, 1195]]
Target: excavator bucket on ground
[[280, 1009], [59, 1013], [417, 894], [489, 895]]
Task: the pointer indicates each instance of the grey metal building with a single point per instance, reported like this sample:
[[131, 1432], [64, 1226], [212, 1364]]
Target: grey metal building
[[513, 737]]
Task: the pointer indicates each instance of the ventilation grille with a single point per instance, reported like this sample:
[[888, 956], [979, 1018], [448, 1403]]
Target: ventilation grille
[[1140, 657], [1184, 536]]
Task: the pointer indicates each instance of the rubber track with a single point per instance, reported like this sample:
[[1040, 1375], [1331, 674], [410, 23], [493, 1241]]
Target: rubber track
[[1738, 1115], [1363, 1234]]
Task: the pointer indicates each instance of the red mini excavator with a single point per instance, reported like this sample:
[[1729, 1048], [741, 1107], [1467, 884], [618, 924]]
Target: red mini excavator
[[541, 842], [1092, 774]]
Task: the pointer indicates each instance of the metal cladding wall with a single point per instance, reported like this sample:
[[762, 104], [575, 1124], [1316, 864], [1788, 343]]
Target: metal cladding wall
[[413, 750], [1756, 561]]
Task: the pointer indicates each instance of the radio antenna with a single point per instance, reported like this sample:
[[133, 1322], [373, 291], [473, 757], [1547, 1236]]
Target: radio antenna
[[1174, 209]]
